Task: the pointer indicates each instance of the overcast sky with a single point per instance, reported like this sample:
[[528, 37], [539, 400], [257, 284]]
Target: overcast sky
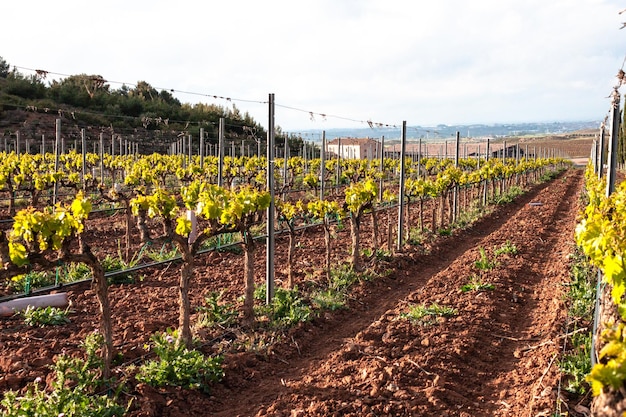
[[426, 62]]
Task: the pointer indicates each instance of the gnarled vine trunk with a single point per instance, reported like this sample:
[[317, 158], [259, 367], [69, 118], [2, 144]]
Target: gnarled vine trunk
[[184, 308], [355, 256], [249, 246]]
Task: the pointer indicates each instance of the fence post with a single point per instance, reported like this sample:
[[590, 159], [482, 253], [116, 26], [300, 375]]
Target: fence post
[[56, 158], [382, 168], [83, 150], [401, 191], [201, 148], [322, 164], [220, 162], [612, 156], [269, 245], [455, 195]]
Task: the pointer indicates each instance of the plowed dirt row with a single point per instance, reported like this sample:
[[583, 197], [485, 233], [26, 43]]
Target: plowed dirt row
[[494, 357]]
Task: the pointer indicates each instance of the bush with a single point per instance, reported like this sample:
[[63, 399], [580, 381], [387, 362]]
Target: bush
[[179, 366]]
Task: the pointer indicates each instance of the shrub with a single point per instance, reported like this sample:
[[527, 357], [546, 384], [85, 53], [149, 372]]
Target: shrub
[[178, 366]]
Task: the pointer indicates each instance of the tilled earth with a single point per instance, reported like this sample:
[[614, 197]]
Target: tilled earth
[[496, 356]]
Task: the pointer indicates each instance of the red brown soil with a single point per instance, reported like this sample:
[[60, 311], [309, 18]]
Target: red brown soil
[[496, 357]]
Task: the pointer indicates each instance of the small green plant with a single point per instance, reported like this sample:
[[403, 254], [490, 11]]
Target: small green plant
[[116, 263], [484, 263], [379, 254], [426, 315], [446, 231], [178, 366], [475, 284], [34, 279], [344, 276], [582, 288], [214, 312], [45, 316], [470, 216], [257, 342], [550, 175], [225, 242], [509, 196], [286, 308], [76, 272], [507, 248], [576, 364], [417, 237], [75, 391], [329, 299], [163, 254]]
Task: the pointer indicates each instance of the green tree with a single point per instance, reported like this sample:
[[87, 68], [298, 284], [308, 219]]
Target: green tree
[[4, 68]]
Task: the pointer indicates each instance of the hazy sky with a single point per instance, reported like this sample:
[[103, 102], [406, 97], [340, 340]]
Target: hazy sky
[[426, 62]]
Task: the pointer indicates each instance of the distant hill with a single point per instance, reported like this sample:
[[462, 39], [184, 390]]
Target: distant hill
[[445, 132]]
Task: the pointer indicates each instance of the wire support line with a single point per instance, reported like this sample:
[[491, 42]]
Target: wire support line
[[312, 115], [99, 81], [155, 120], [43, 74]]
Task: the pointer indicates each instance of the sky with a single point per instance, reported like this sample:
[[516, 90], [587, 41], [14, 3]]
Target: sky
[[339, 63]]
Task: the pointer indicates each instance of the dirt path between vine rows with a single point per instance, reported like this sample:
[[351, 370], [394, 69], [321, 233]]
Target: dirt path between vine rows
[[495, 357]]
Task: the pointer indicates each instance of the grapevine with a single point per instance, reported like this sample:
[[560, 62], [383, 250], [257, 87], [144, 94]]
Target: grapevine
[[602, 236]]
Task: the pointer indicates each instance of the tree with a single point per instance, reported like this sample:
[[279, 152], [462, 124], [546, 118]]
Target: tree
[[4, 68]]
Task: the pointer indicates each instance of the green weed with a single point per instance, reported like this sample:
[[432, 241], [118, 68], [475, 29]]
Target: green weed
[[507, 248], [214, 312], [475, 284], [426, 315], [45, 316], [484, 263], [76, 389], [178, 366]]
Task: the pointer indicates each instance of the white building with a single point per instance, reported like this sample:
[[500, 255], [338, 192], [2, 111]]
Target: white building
[[354, 148]]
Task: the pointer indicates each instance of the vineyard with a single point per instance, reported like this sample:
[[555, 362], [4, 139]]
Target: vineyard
[[393, 286]]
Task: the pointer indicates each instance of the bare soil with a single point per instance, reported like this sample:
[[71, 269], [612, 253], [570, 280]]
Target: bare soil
[[497, 356]]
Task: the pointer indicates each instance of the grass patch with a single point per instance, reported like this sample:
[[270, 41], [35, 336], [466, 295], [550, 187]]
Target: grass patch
[[576, 363], [164, 254], [329, 300], [427, 315], [75, 389], [287, 307], [580, 299], [225, 242], [178, 366], [509, 196]]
